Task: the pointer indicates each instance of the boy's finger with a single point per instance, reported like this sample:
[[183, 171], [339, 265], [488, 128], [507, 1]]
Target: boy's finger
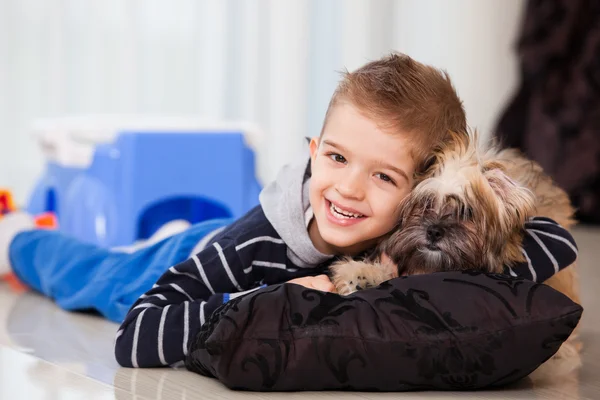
[[323, 283]]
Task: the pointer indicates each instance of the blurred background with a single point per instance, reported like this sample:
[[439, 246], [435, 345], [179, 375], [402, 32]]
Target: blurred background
[[270, 62]]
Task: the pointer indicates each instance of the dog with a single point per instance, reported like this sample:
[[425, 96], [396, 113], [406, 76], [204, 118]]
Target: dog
[[466, 212]]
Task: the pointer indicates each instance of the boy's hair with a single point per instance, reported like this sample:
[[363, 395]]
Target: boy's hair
[[405, 95]]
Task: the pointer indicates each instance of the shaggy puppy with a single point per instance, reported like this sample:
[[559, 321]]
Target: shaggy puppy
[[466, 212]]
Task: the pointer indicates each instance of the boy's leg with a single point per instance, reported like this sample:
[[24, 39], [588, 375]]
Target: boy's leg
[[83, 276]]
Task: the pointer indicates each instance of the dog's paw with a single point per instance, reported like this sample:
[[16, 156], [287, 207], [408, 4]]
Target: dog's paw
[[354, 282], [350, 276]]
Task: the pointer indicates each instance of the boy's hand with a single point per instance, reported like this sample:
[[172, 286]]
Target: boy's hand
[[319, 282]]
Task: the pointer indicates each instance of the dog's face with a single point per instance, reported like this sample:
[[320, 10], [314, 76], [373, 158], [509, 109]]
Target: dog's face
[[466, 213]]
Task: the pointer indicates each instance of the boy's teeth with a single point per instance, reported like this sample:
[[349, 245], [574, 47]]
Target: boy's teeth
[[342, 214]]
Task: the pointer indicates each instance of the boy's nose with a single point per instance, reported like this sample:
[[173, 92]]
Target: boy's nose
[[350, 187]]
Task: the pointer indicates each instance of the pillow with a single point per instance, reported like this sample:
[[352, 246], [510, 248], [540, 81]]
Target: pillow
[[441, 331]]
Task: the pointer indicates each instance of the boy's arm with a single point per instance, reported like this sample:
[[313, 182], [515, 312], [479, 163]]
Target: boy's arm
[[160, 325], [547, 247]]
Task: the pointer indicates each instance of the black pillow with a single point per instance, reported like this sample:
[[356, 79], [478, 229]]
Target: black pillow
[[442, 331]]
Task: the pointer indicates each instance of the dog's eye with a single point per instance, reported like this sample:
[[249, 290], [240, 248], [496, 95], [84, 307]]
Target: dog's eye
[[468, 212]]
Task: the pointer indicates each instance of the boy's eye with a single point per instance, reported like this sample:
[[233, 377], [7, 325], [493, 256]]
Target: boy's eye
[[386, 178], [337, 158]]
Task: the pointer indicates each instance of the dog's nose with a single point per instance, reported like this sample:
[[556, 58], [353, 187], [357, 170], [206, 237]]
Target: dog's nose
[[434, 233]]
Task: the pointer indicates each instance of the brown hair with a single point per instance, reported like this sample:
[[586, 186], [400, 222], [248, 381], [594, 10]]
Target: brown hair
[[409, 96]]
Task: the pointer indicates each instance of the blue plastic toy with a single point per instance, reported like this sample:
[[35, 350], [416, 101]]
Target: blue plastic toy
[[143, 180]]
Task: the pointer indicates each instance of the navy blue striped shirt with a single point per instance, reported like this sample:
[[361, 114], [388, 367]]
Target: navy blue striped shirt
[[247, 255]]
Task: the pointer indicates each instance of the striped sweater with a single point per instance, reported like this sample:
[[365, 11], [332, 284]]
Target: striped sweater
[[247, 255], [547, 248]]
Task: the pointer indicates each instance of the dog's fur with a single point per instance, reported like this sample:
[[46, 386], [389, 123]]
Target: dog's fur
[[467, 211]]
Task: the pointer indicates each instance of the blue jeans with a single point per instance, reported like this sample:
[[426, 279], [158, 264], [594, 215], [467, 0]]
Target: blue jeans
[[80, 276]]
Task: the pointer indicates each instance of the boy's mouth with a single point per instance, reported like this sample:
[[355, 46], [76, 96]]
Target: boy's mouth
[[341, 213]]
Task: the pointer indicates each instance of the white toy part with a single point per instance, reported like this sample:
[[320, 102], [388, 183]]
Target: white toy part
[[70, 141]]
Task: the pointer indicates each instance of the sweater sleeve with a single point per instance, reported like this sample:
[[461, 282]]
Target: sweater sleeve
[[161, 323], [547, 247]]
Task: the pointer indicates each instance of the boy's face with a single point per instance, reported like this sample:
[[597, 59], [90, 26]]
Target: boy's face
[[360, 174]]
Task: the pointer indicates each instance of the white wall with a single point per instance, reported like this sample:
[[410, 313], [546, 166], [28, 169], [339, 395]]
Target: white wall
[[473, 40], [271, 62]]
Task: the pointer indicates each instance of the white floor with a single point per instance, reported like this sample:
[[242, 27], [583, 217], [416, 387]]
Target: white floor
[[47, 353]]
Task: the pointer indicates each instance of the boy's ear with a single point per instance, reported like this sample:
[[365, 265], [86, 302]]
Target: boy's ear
[[314, 146]]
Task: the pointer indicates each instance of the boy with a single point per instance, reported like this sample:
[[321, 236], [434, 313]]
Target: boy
[[381, 125]]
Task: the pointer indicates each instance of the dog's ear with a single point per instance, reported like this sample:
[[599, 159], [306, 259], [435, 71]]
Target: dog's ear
[[454, 145], [517, 201]]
